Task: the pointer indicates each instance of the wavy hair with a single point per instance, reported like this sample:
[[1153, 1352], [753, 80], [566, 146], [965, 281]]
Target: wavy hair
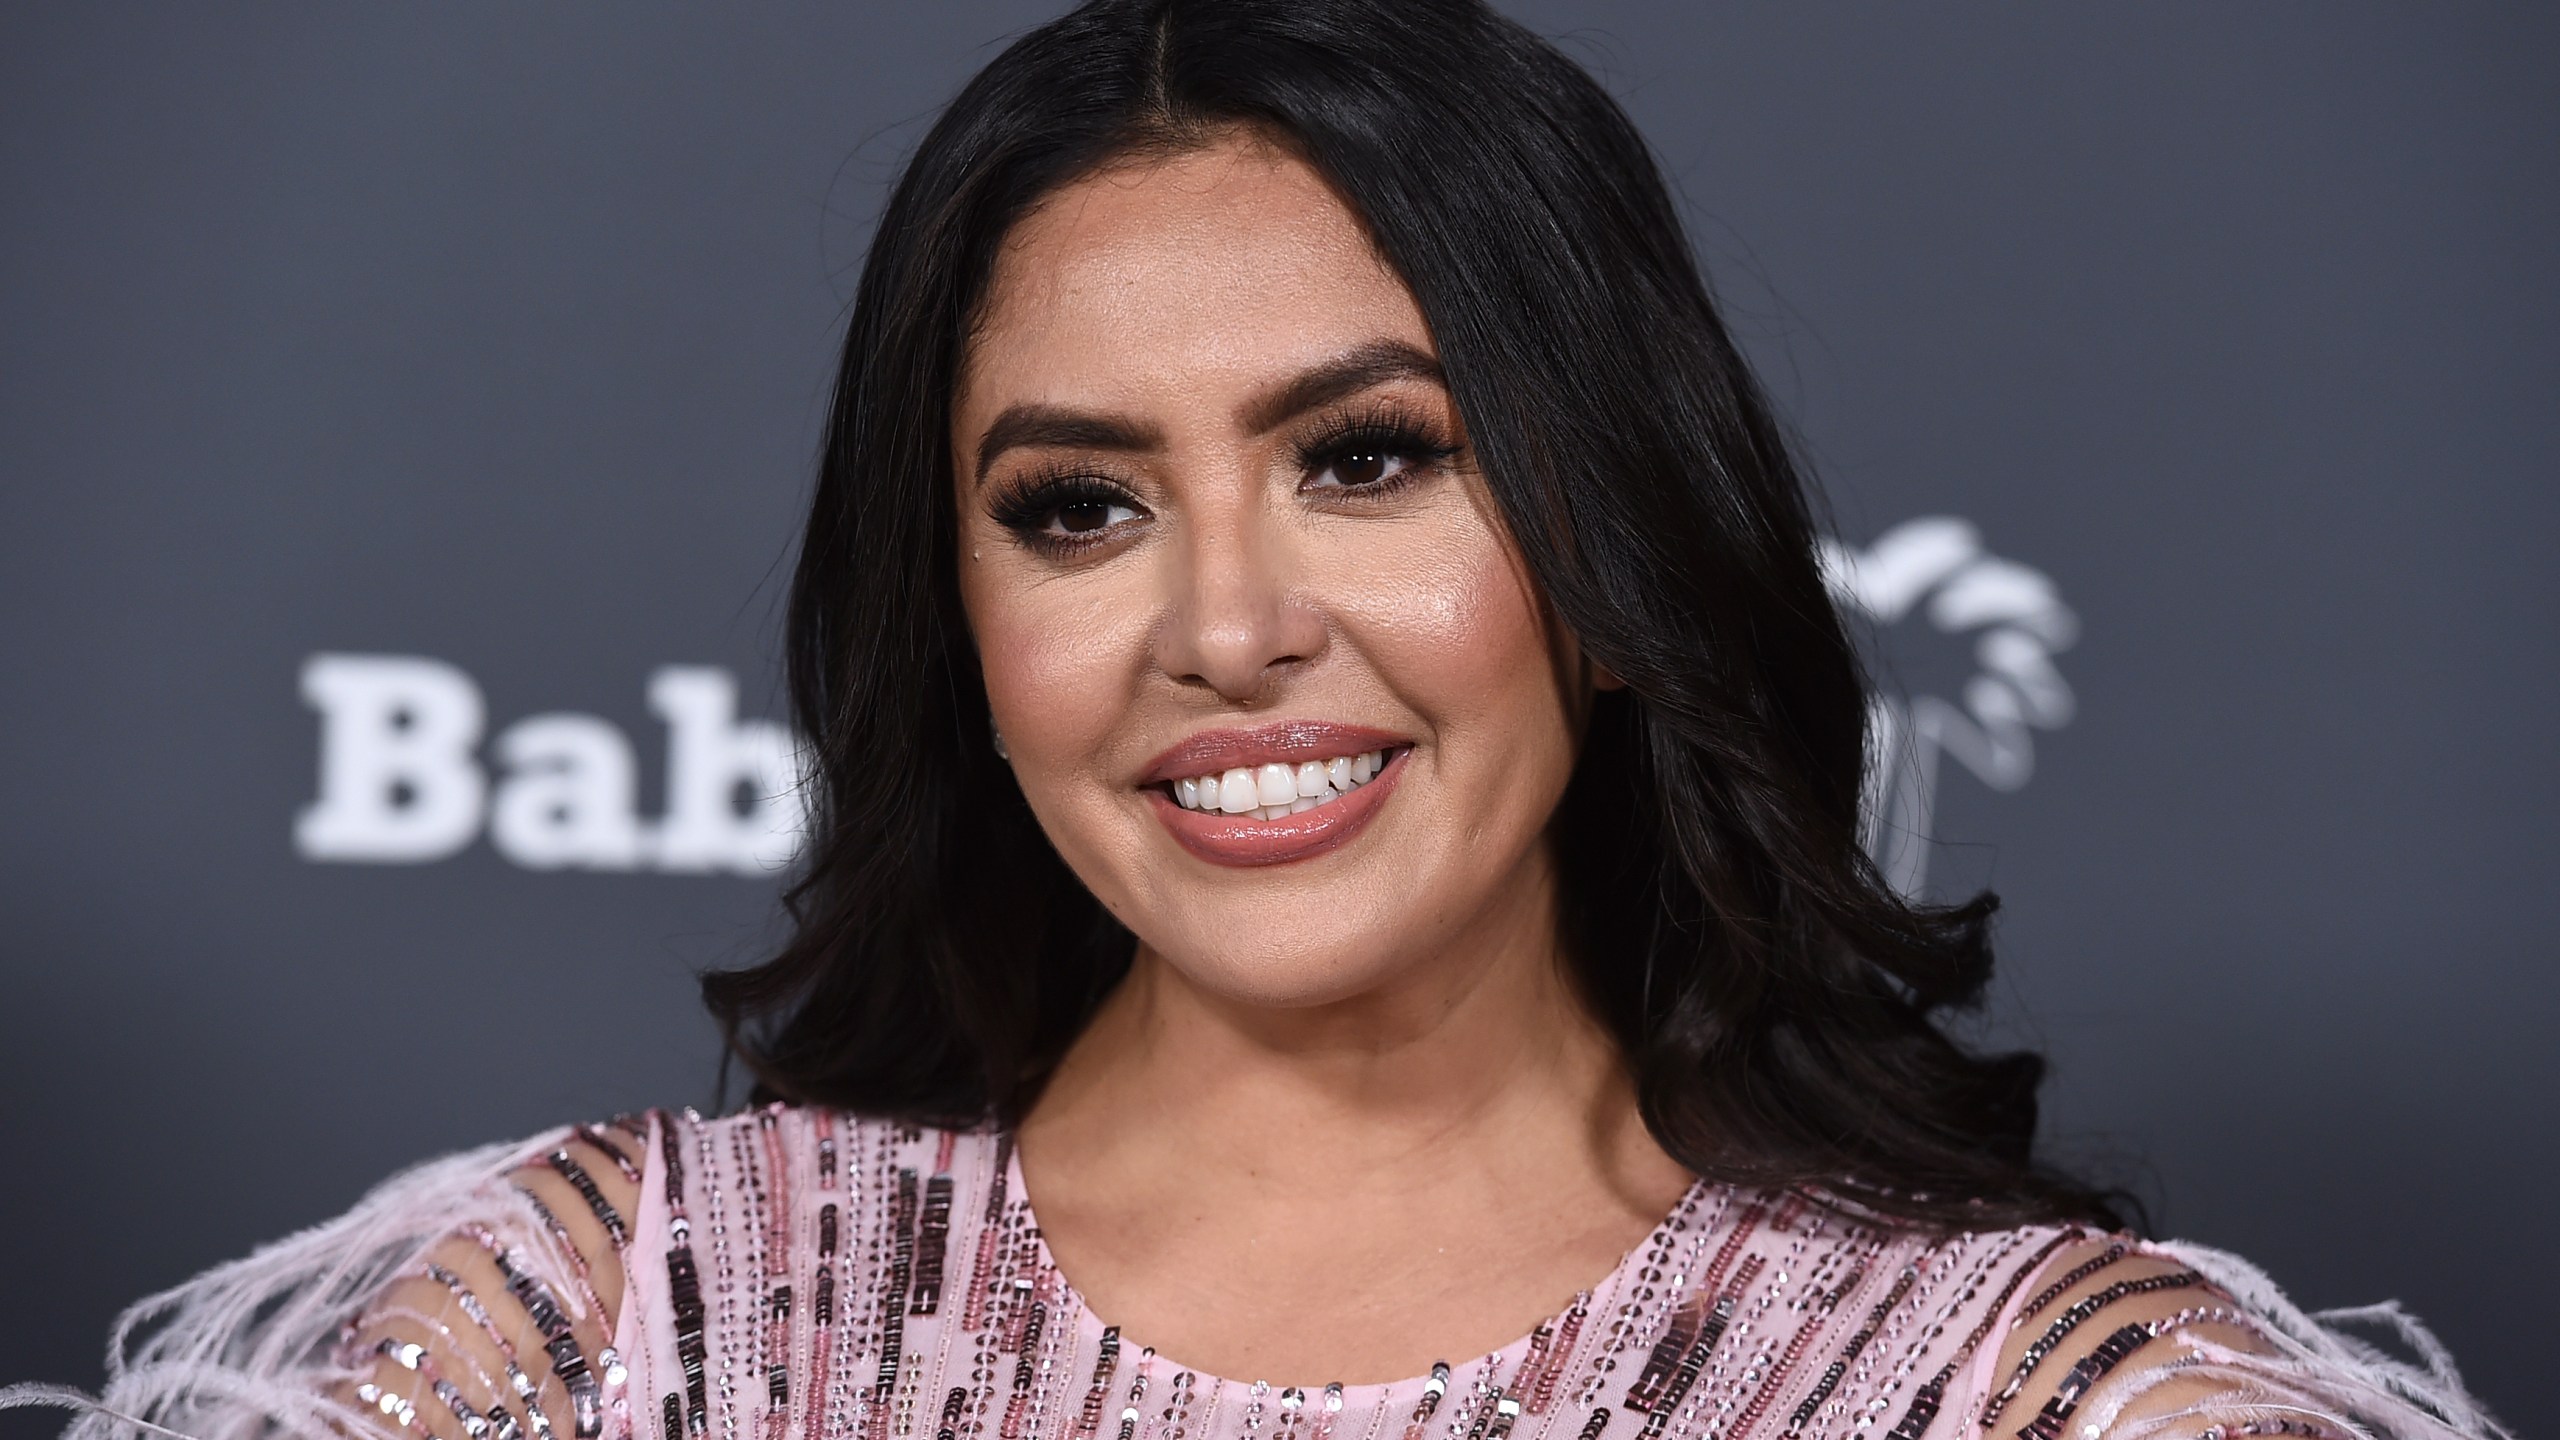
[[1779, 1005]]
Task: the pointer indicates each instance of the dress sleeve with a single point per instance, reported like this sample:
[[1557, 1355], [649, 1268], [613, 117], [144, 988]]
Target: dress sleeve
[[474, 1297], [2124, 1339]]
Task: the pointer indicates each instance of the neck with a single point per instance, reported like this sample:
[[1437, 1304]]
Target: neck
[[1473, 1056]]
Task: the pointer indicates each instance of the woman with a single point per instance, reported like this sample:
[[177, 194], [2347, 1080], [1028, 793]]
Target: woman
[[1335, 770]]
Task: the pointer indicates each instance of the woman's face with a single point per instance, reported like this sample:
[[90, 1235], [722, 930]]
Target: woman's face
[[1269, 671]]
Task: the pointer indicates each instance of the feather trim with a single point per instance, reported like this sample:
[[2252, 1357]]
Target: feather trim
[[2322, 1375], [245, 1350]]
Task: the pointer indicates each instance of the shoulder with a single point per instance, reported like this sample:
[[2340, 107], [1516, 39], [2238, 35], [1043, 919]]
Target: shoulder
[[2112, 1337], [505, 1319], [473, 1294], [800, 1146]]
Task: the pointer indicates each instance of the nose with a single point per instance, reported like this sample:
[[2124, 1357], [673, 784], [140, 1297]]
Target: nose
[[1239, 619]]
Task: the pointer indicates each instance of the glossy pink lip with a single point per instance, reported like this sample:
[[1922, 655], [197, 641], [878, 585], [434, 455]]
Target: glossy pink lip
[[1240, 840]]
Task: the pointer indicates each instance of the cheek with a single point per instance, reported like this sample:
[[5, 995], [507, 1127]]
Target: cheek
[[1057, 658], [1453, 626]]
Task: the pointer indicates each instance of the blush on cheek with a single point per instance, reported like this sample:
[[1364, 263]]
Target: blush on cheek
[[1055, 687], [1454, 626]]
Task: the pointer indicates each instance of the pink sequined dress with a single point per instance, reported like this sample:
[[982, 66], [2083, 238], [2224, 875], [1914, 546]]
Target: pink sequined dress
[[798, 1274]]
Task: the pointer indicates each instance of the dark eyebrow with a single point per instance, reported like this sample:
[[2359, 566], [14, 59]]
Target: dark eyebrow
[[1021, 425], [1374, 363], [1353, 371]]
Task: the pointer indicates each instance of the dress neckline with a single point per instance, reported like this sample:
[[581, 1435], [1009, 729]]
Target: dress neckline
[[1504, 1360]]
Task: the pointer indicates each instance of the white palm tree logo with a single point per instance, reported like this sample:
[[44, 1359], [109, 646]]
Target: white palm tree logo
[[1936, 564]]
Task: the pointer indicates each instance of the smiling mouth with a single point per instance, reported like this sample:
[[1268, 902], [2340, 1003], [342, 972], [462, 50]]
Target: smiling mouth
[[1276, 791]]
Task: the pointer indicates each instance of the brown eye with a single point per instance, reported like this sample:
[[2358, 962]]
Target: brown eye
[[1362, 467], [1079, 516], [1083, 516], [1367, 468]]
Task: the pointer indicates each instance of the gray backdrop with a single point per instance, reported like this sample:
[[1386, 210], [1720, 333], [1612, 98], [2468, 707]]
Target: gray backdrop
[[498, 337]]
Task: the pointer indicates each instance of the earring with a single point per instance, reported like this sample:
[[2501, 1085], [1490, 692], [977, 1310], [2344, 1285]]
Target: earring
[[998, 735]]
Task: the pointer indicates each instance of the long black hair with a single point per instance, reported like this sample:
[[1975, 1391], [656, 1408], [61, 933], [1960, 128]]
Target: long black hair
[[1777, 1002]]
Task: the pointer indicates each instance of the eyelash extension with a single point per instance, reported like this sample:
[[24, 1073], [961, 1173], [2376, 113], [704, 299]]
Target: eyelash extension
[[1026, 508], [1382, 429]]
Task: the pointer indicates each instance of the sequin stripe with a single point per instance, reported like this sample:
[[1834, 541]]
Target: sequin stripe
[[992, 1174], [754, 1231], [566, 1166], [2106, 1355], [2070, 1319], [1806, 1332], [824, 1122], [1059, 1336], [1540, 1387], [822, 1313], [1328, 1411], [1025, 1324], [1938, 1266], [933, 1236], [1966, 1291], [1381, 1413], [1596, 1422], [1133, 1413], [398, 1408], [684, 1285], [772, 1191], [1478, 1400], [608, 1359], [1627, 1316], [1429, 1401], [611, 1149], [1850, 1350], [1743, 1376], [876, 1190], [559, 1337], [1933, 1392], [1293, 1410], [1734, 1240], [1098, 1389], [921, 1361], [933, 1372], [973, 1309], [1677, 1336], [2077, 1273], [1475, 1395], [727, 1333], [1496, 1415], [517, 1380], [1710, 1333], [893, 1293], [497, 1424], [501, 1421], [1541, 1352]]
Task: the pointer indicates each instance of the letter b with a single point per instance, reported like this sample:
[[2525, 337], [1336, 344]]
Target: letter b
[[397, 782], [733, 798]]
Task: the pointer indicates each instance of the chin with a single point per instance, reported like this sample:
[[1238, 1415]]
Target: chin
[[1295, 972]]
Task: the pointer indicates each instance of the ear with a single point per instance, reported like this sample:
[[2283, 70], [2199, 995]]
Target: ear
[[1604, 678]]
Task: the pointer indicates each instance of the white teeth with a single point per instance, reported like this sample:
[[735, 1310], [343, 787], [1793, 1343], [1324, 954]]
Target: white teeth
[[1275, 791], [1235, 791], [1278, 785]]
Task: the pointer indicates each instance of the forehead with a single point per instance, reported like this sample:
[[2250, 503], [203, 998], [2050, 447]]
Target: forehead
[[1182, 274]]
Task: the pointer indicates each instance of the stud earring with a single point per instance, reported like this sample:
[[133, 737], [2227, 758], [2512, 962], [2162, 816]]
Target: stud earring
[[998, 735]]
